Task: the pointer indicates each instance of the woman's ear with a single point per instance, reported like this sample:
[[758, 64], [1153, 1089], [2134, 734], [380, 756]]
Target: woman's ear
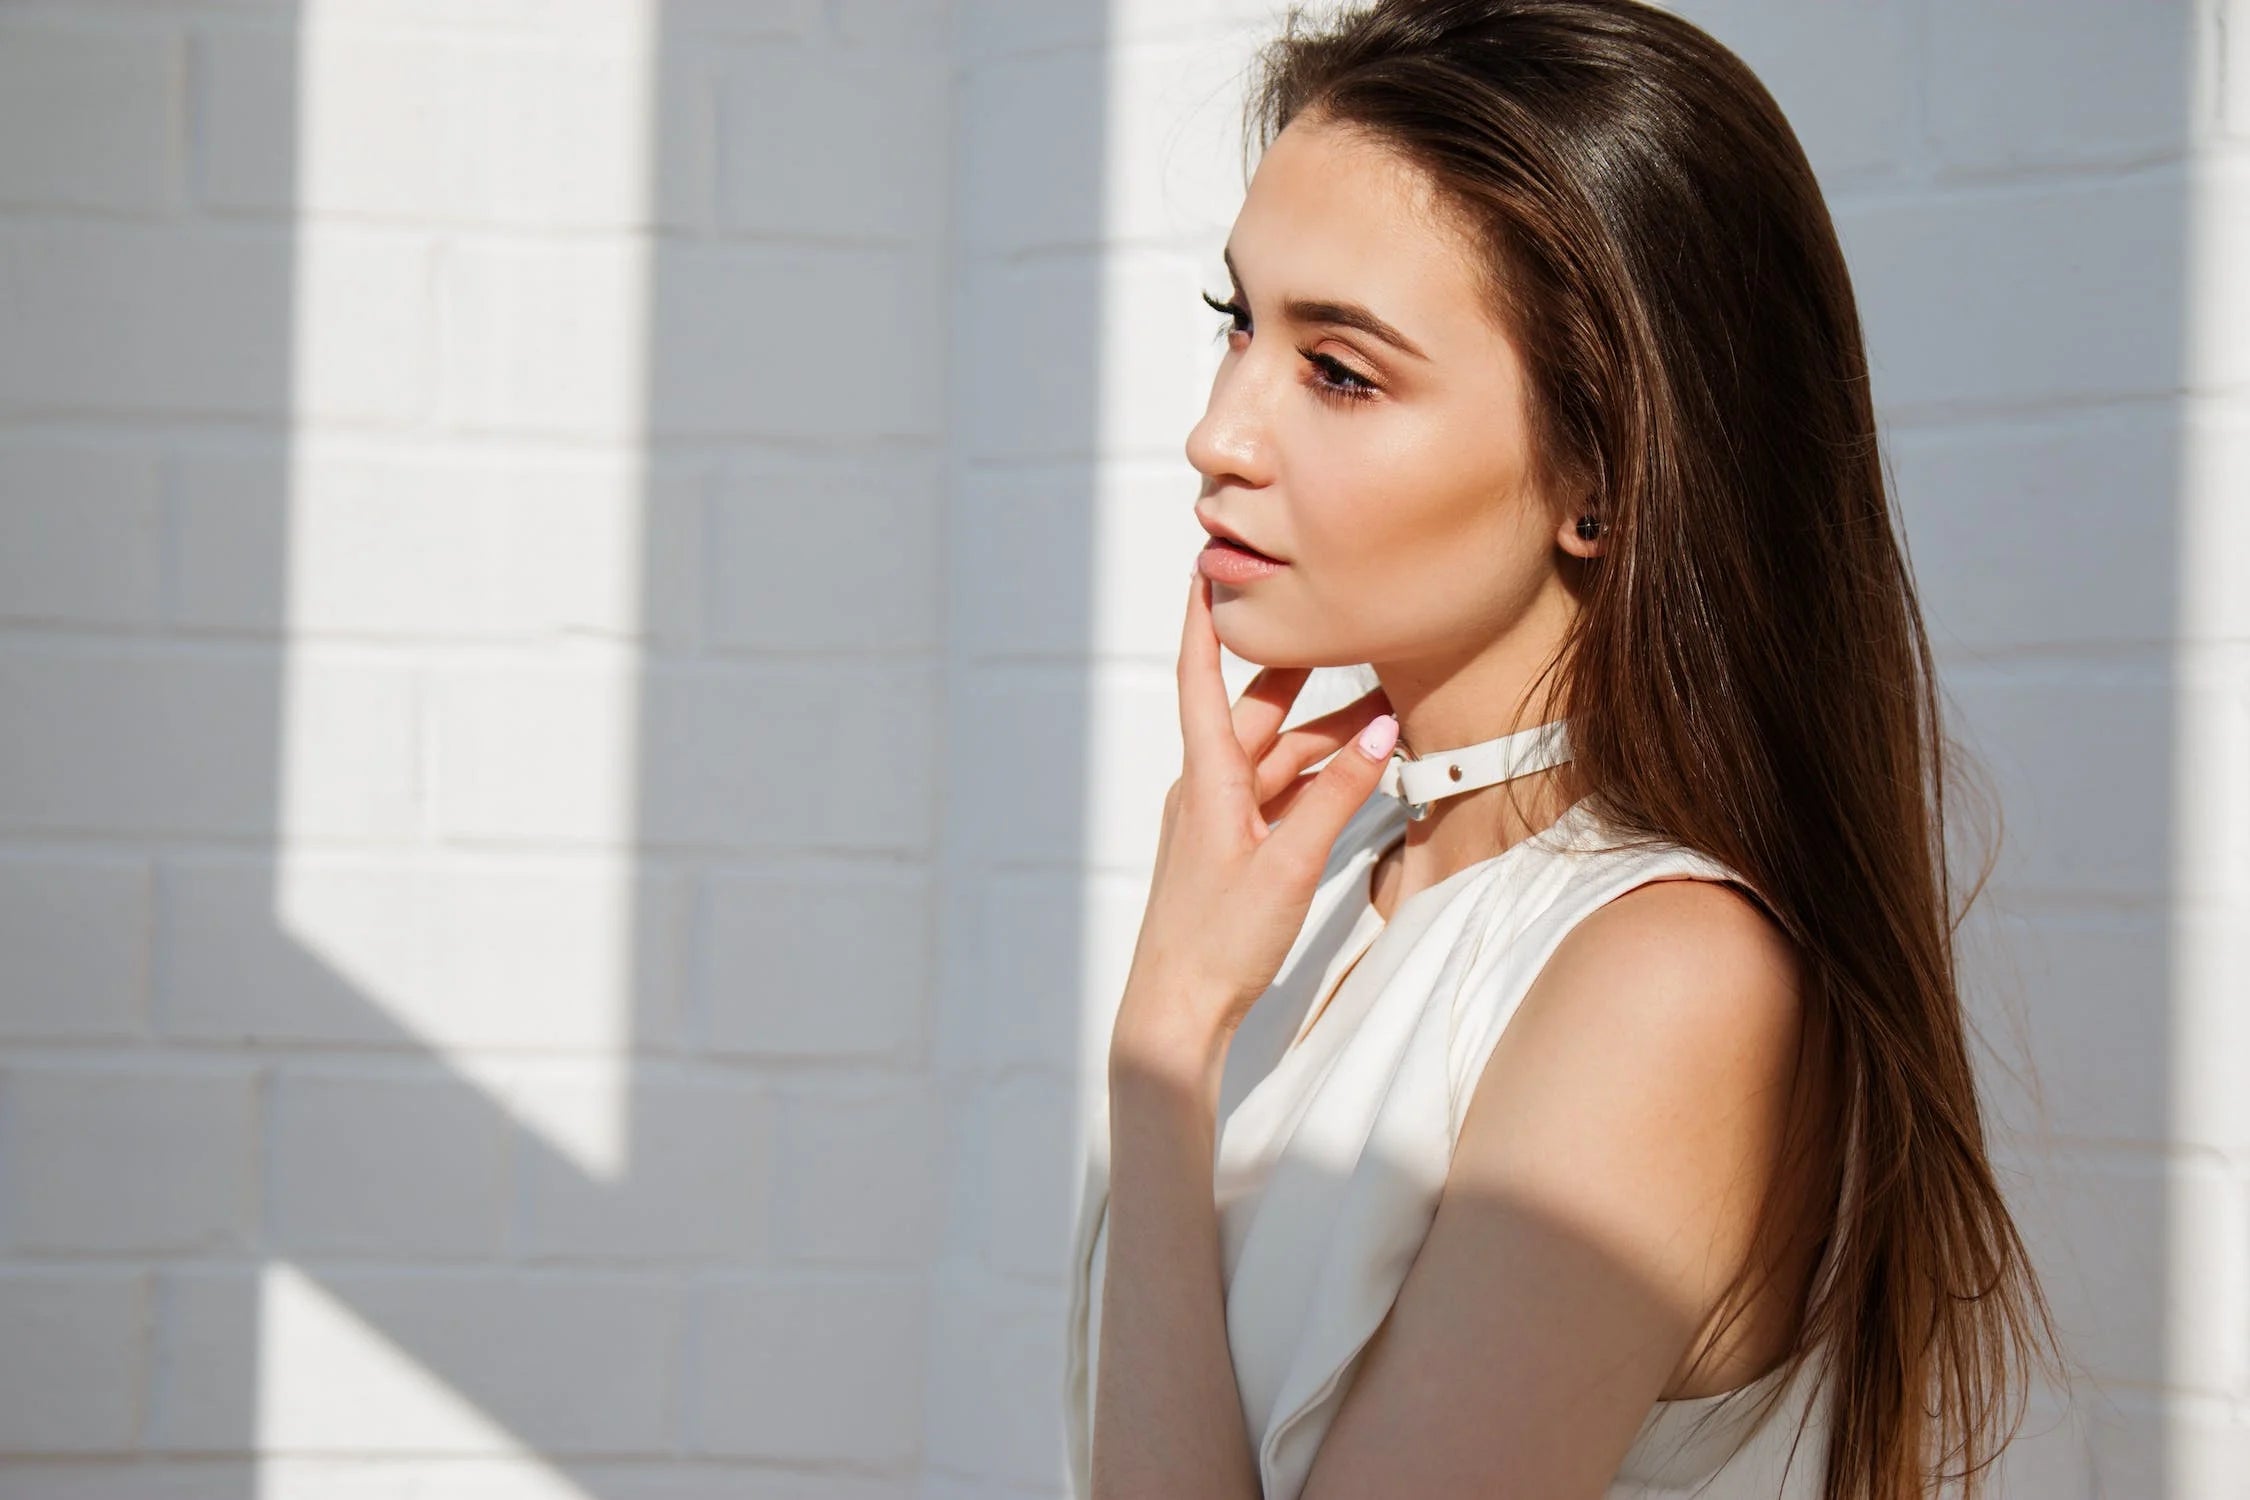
[[1584, 532]]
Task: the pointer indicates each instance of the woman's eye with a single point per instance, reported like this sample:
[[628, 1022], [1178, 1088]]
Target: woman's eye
[[1340, 379], [1233, 310], [1337, 382]]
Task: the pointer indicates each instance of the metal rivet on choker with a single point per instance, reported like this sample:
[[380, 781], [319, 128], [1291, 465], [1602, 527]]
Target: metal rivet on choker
[[1454, 772]]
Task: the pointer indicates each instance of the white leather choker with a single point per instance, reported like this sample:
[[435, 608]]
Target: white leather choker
[[1420, 780]]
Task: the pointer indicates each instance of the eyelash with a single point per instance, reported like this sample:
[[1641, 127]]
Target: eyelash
[[1329, 388]]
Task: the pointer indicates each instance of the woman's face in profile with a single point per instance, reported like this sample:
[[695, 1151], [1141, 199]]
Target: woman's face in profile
[[1389, 480]]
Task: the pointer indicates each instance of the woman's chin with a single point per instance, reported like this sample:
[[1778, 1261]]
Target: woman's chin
[[1260, 644]]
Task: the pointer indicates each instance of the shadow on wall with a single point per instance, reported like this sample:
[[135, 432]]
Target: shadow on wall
[[471, 783]]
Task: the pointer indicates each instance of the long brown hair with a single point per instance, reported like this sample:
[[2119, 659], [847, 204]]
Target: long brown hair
[[1749, 674]]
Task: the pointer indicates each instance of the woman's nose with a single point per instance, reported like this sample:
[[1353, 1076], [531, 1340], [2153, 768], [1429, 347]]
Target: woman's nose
[[1231, 436]]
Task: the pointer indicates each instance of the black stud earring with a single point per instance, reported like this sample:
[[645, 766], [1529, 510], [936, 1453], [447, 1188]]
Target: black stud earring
[[1588, 528]]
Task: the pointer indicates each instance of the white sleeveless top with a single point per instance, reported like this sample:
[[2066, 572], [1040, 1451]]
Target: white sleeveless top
[[1331, 1154]]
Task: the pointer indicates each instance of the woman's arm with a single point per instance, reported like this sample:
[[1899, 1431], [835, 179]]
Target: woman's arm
[[1246, 834], [1601, 1195], [1167, 1413]]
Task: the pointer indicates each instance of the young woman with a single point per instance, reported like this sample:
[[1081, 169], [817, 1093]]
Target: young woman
[[1563, 1092]]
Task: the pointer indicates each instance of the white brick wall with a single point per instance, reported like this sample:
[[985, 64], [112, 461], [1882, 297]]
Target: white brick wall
[[473, 479]]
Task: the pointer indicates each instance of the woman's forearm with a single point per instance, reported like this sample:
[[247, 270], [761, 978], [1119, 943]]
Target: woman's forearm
[[1167, 1413], [1226, 904]]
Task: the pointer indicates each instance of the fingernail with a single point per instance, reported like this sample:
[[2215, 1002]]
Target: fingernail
[[1378, 737]]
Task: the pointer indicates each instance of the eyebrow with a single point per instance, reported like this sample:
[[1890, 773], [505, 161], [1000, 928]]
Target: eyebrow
[[1340, 314]]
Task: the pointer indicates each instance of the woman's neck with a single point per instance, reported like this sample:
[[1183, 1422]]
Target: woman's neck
[[1470, 826], [1449, 704]]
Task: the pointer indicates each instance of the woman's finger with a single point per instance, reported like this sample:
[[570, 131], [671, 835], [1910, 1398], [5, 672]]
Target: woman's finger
[[1264, 704], [1319, 811], [1315, 739], [1276, 807], [1209, 751]]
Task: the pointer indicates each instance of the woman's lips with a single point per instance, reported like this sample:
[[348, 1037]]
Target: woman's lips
[[1224, 562]]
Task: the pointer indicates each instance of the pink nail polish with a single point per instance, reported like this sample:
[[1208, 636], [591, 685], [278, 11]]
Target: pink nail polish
[[1378, 737]]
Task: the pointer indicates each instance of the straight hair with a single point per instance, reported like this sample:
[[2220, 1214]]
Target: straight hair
[[1749, 674]]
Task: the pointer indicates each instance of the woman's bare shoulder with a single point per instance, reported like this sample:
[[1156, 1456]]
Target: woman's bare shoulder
[[1597, 1204]]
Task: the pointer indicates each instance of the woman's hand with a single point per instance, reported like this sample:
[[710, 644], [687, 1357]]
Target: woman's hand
[[1234, 877]]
